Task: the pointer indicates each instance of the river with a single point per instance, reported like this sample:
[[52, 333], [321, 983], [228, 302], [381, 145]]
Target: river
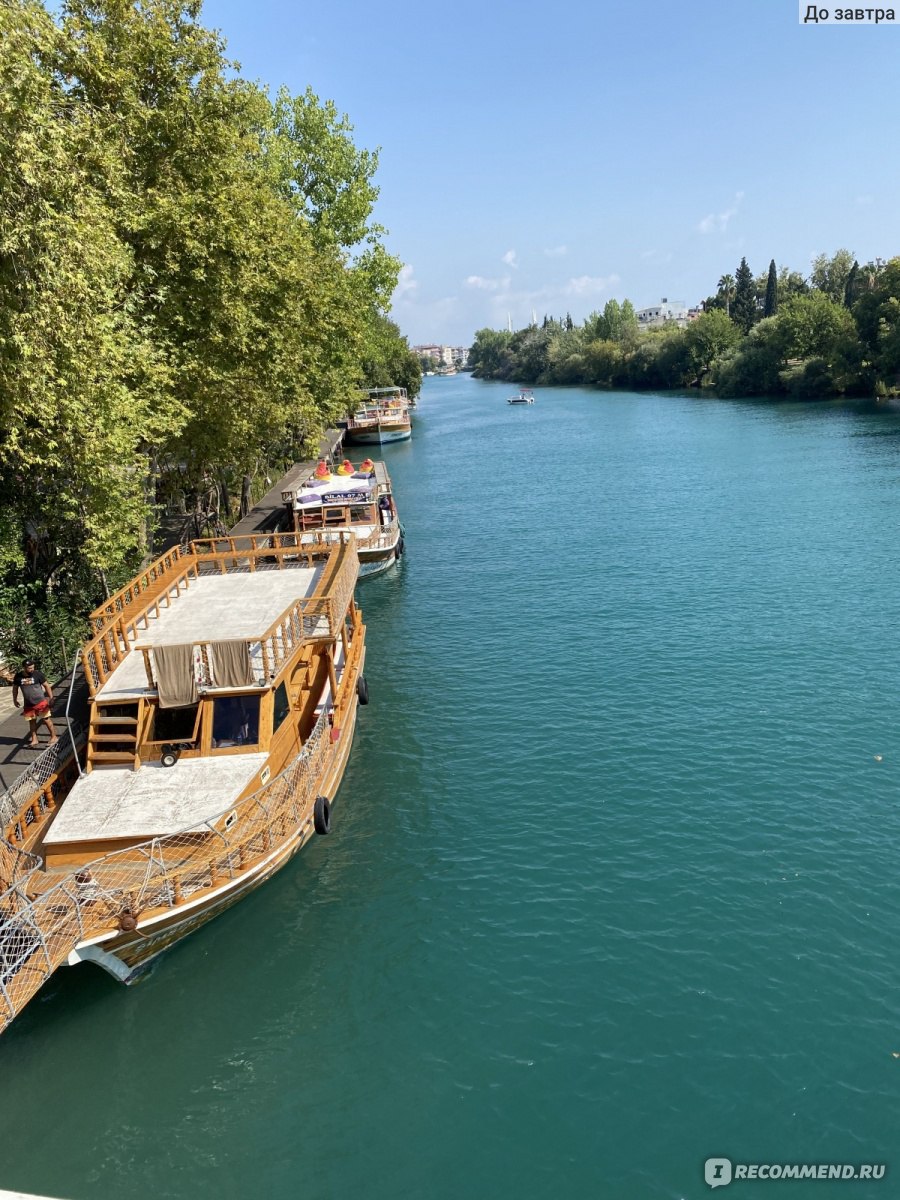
[[611, 884]]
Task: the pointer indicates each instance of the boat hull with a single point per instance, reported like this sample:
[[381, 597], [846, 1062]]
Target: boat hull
[[125, 955], [377, 437]]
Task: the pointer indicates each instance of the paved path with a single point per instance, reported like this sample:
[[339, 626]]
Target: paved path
[[15, 754]]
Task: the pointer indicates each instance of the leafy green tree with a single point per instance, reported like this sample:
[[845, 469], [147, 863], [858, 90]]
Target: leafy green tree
[[790, 283], [813, 325], [82, 387], [877, 316], [390, 362], [189, 275], [603, 363], [830, 275], [770, 306], [707, 339], [751, 367], [491, 354]]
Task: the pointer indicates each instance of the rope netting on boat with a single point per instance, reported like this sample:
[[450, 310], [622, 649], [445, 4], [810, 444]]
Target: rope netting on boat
[[37, 774], [128, 887]]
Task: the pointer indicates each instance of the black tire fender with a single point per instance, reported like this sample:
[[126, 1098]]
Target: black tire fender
[[362, 690], [322, 815]]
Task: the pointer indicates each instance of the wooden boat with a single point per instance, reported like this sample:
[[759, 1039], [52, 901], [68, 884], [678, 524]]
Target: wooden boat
[[359, 499], [524, 396], [383, 417], [224, 682]]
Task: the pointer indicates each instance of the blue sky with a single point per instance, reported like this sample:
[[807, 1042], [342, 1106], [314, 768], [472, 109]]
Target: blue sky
[[548, 157]]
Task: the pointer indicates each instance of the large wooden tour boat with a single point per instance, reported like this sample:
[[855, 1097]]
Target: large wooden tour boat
[[383, 417], [359, 499], [224, 682]]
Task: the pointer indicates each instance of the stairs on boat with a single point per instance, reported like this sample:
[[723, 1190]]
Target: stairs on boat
[[113, 735]]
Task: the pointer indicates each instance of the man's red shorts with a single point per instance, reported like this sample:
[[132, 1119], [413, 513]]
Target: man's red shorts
[[37, 710]]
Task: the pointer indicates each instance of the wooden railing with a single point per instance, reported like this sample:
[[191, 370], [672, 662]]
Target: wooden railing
[[123, 615], [37, 933], [152, 579]]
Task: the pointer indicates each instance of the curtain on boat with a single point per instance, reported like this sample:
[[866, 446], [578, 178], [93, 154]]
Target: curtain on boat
[[175, 681], [230, 664]]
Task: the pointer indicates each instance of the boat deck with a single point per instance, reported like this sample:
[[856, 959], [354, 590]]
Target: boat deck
[[214, 608], [118, 802]]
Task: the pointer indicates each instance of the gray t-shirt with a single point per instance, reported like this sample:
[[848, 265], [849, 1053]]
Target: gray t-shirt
[[31, 684]]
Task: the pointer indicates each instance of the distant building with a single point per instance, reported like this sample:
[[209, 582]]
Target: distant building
[[662, 313], [445, 356]]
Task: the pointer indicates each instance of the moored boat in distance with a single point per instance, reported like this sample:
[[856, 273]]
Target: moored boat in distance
[[359, 499], [524, 396], [224, 682], [383, 417]]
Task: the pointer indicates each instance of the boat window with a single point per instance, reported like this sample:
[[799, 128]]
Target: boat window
[[282, 707], [174, 724], [235, 721]]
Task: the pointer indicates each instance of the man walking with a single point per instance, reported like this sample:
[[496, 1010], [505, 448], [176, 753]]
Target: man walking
[[38, 696]]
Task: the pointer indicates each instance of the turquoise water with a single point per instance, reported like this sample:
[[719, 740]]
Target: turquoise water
[[611, 886]]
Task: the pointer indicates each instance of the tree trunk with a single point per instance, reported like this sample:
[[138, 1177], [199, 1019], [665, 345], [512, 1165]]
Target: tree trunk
[[246, 483]]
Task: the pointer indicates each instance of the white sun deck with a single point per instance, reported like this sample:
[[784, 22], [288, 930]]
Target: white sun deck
[[118, 802], [213, 608]]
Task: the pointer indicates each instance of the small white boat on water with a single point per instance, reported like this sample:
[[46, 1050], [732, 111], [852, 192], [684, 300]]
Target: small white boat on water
[[525, 396]]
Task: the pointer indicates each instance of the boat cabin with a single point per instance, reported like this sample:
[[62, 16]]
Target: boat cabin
[[361, 497]]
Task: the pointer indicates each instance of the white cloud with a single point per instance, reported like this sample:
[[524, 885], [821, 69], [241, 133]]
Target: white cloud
[[501, 298], [510, 258], [589, 285], [406, 284], [556, 251], [488, 285], [718, 222]]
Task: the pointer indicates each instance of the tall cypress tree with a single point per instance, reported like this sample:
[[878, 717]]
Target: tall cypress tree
[[743, 308], [771, 305], [850, 286]]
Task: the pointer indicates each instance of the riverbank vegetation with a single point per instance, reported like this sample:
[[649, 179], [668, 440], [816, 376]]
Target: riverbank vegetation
[[835, 332], [191, 289]]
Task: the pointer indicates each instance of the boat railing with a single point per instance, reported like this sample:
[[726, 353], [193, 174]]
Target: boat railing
[[220, 555], [310, 619], [381, 536], [39, 932], [381, 412], [137, 591], [34, 791]]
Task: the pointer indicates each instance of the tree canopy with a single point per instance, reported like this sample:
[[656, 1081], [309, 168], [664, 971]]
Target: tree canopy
[[191, 288], [837, 333]]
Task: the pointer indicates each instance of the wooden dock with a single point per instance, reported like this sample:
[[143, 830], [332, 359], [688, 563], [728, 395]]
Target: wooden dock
[[270, 514]]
